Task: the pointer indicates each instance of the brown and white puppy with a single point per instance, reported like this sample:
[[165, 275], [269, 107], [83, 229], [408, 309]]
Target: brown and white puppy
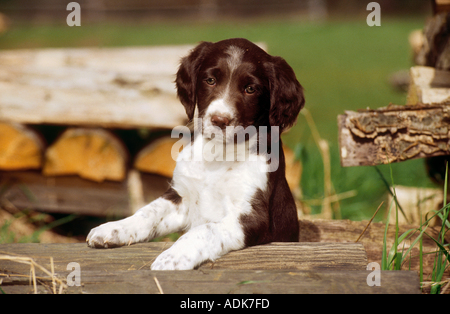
[[229, 188]]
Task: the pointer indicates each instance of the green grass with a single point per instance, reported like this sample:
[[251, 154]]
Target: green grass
[[343, 65], [397, 258]]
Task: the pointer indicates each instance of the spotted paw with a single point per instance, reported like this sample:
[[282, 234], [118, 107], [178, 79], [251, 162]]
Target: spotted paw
[[109, 235]]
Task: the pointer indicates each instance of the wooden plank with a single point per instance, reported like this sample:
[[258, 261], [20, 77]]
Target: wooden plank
[[65, 194], [394, 134], [126, 270], [157, 60], [86, 98], [229, 282], [299, 256], [111, 87], [71, 194]]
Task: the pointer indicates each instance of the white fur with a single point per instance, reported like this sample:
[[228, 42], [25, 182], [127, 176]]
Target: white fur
[[214, 196]]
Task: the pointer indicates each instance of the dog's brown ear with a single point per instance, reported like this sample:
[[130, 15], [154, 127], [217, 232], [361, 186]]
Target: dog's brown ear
[[186, 80], [286, 94]]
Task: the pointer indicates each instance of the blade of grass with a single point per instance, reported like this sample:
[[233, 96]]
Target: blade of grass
[[421, 248], [393, 252], [384, 260], [397, 262], [439, 269], [419, 237], [445, 212], [390, 191], [370, 221]]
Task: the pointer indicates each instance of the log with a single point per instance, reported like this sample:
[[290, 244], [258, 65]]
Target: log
[[393, 134], [417, 204], [93, 154], [428, 86], [20, 147], [157, 157], [280, 268]]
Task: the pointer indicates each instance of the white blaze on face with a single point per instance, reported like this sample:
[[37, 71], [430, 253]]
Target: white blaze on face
[[235, 58], [222, 106]]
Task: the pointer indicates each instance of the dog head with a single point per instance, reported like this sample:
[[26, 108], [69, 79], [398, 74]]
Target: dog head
[[235, 83]]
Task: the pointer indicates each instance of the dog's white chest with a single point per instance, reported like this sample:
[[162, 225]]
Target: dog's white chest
[[214, 189]]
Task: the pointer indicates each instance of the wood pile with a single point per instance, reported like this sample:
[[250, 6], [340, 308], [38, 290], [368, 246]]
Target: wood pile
[[95, 96], [419, 129], [113, 109]]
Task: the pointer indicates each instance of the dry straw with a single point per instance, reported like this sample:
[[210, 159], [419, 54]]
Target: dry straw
[[32, 276]]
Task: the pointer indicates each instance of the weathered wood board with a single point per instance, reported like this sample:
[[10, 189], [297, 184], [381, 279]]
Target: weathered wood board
[[299, 256], [229, 282], [71, 194], [109, 87], [393, 134], [272, 268]]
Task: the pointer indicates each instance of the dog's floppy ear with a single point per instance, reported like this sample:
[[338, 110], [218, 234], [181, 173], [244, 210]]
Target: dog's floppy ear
[[286, 94], [186, 80]]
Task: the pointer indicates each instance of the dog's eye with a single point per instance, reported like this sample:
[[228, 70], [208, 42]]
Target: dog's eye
[[250, 89], [210, 81]]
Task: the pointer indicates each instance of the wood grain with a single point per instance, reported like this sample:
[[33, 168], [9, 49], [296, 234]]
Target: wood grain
[[126, 270]]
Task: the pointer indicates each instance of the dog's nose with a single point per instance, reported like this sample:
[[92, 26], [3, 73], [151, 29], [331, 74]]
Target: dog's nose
[[220, 121]]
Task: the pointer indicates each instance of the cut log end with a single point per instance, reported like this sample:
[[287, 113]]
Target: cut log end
[[157, 157], [93, 154], [20, 147]]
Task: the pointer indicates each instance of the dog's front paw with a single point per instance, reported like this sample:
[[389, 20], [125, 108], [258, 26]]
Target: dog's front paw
[[173, 260], [108, 235]]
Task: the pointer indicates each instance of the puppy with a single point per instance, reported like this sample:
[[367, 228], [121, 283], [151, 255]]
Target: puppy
[[228, 189]]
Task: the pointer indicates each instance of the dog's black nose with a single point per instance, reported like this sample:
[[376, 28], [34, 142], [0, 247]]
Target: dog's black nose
[[220, 121]]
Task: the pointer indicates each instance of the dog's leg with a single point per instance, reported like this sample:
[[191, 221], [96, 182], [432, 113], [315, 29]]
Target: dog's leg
[[160, 217], [202, 243]]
